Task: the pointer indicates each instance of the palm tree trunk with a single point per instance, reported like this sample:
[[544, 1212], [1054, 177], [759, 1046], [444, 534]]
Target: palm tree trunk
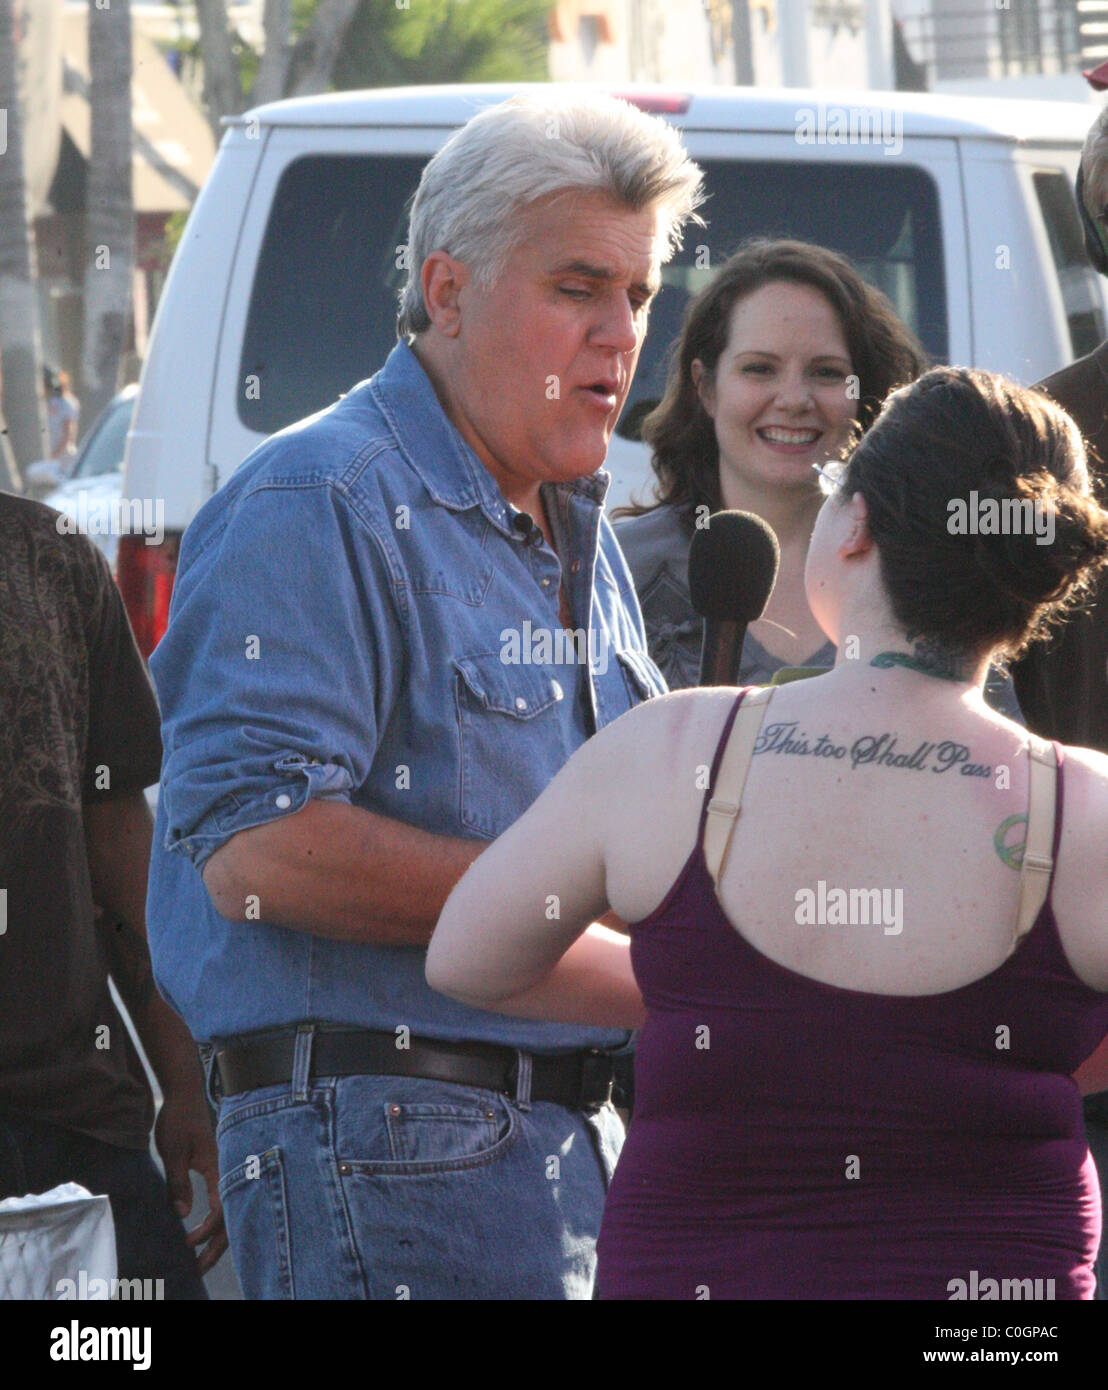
[[222, 88], [317, 49], [109, 209], [269, 84], [20, 347]]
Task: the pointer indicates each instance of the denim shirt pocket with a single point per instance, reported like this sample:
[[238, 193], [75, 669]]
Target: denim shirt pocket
[[509, 729]]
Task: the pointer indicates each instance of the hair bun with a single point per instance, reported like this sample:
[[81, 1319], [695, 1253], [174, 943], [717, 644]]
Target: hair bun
[[979, 503], [1061, 532]]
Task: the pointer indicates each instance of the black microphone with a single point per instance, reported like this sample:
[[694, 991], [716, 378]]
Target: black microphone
[[732, 569], [525, 525]]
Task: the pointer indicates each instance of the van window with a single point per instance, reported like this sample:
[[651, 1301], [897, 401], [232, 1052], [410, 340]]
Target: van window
[[322, 313], [1076, 277], [885, 219]]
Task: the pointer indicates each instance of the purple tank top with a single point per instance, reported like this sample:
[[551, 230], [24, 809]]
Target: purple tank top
[[794, 1139]]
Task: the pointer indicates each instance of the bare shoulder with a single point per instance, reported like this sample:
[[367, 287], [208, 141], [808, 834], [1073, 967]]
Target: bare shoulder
[[665, 729], [638, 760]]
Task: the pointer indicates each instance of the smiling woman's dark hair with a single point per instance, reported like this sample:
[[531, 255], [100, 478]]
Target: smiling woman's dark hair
[[962, 436], [884, 353]]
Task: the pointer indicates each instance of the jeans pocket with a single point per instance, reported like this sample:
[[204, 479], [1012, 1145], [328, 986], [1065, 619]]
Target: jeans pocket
[[439, 1136], [266, 1101], [255, 1205]]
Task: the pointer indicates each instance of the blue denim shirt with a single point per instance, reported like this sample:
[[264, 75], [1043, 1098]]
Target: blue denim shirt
[[356, 617]]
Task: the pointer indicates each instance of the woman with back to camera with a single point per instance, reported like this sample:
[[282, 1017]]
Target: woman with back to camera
[[781, 360], [860, 1012]]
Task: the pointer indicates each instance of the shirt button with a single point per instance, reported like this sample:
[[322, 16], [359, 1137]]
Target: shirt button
[[557, 689], [575, 567], [521, 703], [395, 1110], [284, 801], [546, 583]]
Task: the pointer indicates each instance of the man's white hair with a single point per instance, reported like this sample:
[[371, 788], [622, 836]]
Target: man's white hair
[[472, 194], [1094, 165]]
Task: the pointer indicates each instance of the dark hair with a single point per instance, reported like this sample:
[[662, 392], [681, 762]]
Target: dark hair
[[956, 432], [884, 353]]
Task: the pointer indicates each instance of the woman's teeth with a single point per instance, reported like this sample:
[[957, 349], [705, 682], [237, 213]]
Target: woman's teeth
[[780, 436]]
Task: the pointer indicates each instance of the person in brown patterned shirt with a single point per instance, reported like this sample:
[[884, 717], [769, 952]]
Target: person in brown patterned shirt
[[79, 740]]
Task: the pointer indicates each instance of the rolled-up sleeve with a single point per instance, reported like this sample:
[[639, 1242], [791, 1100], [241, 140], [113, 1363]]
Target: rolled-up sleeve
[[280, 664]]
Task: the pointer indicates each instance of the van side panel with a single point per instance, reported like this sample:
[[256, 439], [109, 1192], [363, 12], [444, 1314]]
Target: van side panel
[[232, 439], [167, 446], [1013, 284]]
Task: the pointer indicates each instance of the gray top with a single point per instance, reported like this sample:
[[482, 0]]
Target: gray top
[[656, 547]]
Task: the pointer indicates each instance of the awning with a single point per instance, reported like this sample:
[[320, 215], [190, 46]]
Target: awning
[[173, 144]]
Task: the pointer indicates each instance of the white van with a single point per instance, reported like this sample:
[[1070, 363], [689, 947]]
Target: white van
[[283, 292]]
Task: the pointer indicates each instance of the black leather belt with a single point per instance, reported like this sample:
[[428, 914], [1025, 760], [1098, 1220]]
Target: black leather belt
[[578, 1080]]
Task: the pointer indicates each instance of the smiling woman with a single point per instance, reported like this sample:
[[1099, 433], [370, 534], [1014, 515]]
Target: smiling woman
[[780, 362]]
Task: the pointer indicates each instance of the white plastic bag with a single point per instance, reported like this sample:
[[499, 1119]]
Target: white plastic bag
[[54, 1244]]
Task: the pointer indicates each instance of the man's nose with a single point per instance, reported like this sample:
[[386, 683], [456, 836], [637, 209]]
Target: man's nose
[[620, 327]]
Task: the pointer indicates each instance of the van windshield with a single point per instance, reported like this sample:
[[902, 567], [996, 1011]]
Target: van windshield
[[323, 307]]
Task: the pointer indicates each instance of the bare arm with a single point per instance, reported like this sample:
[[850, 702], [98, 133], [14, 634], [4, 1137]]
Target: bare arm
[[340, 871], [118, 835], [592, 984], [515, 936]]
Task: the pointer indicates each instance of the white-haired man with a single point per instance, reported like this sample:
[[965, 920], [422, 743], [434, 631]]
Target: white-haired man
[[457, 621]]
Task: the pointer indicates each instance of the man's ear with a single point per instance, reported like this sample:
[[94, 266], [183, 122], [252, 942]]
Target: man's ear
[[858, 539], [702, 380], [442, 278]]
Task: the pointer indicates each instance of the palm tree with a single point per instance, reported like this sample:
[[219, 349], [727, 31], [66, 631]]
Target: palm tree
[[109, 206], [20, 348]]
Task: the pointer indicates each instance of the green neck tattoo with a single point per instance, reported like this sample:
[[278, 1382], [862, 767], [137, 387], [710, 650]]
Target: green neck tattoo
[[929, 658]]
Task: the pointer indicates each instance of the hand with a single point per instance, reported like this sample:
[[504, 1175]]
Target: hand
[[184, 1139]]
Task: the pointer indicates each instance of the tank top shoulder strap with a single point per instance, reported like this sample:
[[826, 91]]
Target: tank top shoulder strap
[[1044, 832], [723, 799]]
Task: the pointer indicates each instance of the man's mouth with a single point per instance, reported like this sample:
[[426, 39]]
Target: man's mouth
[[605, 393]]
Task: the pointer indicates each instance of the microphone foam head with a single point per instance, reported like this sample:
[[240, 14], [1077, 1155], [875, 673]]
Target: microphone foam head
[[732, 567]]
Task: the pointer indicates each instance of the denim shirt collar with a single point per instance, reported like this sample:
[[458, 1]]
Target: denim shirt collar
[[447, 466]]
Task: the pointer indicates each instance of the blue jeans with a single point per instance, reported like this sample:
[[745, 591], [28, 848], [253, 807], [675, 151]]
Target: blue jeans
[[389, 1187], [149, 1238]]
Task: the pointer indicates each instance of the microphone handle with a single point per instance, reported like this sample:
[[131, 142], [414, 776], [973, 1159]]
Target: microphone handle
[[721, 651]]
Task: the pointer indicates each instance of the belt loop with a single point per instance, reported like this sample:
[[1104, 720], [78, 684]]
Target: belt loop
[[523, 1080], [302, 1061], [213, 1088]]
